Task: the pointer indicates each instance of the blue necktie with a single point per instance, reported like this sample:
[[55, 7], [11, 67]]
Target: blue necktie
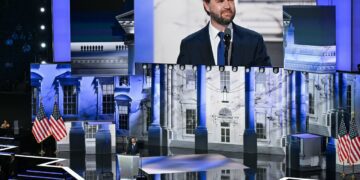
[[221, 50]]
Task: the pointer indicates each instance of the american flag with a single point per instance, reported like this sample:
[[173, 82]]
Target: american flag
[[41, 127], [343, 142], [354, 151], [57, 124]]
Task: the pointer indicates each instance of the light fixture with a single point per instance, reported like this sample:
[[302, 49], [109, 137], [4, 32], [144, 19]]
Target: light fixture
[[208, 68], [42, 9], [43, 62], [43, 45], [221, 68], [261, 69], [144, 66], [234, 68], [225, 94], [42, 27], [170, 67], [182, 67], [194, 68], [275, 70], [247, 69]]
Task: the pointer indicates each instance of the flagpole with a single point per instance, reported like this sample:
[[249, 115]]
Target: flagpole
[[56, 101], [42, 152], [353, 175], [343, 173]]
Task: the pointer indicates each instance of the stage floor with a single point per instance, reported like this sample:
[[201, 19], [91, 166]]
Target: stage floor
[[188, 163], [179, 164]]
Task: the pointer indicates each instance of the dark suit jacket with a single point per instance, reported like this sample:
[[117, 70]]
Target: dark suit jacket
[[248, 48], [132, 150]]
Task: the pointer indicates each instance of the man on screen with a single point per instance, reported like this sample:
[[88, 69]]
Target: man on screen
[[206, 46]]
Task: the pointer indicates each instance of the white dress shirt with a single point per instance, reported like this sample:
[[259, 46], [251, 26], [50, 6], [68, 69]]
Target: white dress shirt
[[215, 39]]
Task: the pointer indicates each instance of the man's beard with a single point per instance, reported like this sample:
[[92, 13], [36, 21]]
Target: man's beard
[[220, 19]]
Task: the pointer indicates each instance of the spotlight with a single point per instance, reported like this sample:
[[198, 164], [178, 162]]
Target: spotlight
[[261, 69], [170, 67], [43, 62], [234, 68], [208, 68], [182, 67], [247, 69], [42, 27], [144, 66], [194, 68], [221, 68], [275, 70], [43, 45], [42, 9]]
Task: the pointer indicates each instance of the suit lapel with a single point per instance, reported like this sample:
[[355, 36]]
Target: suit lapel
[[235, 50], [206, 51]]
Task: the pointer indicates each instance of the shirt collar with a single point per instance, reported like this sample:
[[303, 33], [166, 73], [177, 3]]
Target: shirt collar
[[214, 32]]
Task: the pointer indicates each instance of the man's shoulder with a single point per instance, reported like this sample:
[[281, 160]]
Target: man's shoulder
[[196, 35], [246, 32]]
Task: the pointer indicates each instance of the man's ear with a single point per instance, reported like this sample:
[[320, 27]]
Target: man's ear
[[206, 7]]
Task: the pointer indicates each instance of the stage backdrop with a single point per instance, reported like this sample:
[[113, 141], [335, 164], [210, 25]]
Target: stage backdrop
[[87, 99]]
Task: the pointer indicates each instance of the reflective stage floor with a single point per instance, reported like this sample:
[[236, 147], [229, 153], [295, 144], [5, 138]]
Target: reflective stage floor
[[259, 167], [91, 166]]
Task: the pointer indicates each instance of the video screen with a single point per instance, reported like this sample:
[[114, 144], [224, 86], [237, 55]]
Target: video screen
[[99, 32], [310, 38], [159, 39], [126, 102]]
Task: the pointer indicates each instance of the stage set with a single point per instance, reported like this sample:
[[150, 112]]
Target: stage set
[[111, 102]]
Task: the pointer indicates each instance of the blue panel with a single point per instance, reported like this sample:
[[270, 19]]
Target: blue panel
[[323, 2], [249, 99], [356, 35], [144, 31], [343, 35], [201, 96], [155, 95], [343, 31], [61, 30]]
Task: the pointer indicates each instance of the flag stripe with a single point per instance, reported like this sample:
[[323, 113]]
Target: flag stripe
[[343, 142], [354, 143], [41, 127], [58, 129]]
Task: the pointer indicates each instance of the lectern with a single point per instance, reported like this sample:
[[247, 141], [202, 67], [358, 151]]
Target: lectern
[[128, 166]]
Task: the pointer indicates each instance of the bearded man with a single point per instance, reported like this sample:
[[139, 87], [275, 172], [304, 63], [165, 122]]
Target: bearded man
[[206, 46]]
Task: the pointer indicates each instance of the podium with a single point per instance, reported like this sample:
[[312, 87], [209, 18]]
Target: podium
[[304, 152], [128, 166]]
